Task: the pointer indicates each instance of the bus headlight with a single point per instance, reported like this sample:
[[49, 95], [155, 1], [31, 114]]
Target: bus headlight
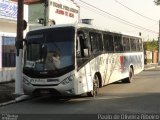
[[68, 80]]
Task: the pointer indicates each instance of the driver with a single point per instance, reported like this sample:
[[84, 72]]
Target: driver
[[56, 59]]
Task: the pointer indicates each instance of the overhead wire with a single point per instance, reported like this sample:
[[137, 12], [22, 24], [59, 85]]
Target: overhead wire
[[136, 12], [156, 24], [120, 19], [106, 16]]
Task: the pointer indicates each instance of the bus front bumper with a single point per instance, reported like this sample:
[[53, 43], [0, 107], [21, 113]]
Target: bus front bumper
[[57, 90]]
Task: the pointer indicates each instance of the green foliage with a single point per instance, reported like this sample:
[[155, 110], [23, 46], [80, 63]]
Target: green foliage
[[157, 2], [151, 45]]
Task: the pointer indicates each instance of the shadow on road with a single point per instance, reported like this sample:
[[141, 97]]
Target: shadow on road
[[112, 103]]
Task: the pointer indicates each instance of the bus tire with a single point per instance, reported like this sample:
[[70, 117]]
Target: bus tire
[[130, 78], [95, 90]]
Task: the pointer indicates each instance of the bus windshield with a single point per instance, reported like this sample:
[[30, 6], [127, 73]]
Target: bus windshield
[[49, 51]]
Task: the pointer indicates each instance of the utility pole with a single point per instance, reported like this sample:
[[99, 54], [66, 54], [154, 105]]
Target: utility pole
[[45, 12], [159, 45], [19, 48]]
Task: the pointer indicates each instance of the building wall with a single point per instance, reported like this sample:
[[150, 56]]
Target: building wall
[[6, 73], [63, 11], [67, 13], [57, 12], [8, 28]]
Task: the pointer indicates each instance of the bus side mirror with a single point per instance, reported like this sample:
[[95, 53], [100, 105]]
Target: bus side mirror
[[24, 24], [25, 42]]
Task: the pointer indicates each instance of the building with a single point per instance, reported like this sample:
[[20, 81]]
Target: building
[[52, 12], [8, 16], [8, 24], [37, 13]]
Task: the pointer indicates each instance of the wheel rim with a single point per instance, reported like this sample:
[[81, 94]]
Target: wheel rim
[[131, 74], [95, 86]]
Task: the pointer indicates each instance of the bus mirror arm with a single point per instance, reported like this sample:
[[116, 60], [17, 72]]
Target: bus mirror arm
[[25, 41], [19, 45]]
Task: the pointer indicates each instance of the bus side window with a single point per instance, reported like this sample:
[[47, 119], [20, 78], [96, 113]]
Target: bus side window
[[141, 44], [106, 42], [111, 44], [126, 44], [96, 42], [133, 44], [82, 46], [118, 44], [78, 50]]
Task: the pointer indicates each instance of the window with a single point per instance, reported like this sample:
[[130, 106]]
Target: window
[[117, 44], [83, 47], [137, 44], [82, 44], [133, 44], [140, 45], [108, 42], [8, 52], [96, 42], [126, 44]]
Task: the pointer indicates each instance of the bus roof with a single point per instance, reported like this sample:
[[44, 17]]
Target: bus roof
[[81, 25]]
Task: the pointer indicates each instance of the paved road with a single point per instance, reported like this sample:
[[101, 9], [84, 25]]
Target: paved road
[[141, 96]]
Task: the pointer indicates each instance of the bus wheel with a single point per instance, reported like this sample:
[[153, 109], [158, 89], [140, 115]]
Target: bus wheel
[[130, 78], [95, 90]]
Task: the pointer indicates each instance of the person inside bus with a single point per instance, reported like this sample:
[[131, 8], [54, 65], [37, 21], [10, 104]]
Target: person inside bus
[[118, 47], [52, 60], [56, 60]]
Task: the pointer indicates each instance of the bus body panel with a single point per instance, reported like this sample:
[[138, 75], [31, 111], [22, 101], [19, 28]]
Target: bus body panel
[[56, 85], [108, 66]]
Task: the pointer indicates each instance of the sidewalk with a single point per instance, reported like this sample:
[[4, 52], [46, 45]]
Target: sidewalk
[[151, 66], [7, 89], [7, 94]]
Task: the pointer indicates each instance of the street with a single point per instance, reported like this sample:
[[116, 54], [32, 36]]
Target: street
[[140, 96]]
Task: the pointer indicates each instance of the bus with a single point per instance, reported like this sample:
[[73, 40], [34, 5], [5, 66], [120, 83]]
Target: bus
[[76, 59]]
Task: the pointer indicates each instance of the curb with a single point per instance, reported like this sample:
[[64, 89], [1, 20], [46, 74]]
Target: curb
[[21, 98], [149, 68], [18, 99], [7, 103]]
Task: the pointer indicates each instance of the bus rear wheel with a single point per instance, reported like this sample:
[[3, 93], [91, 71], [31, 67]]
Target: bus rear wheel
[[130, 78], [95, 90]]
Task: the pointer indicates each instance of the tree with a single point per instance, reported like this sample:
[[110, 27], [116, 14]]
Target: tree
[[157, 2], [151, 45]]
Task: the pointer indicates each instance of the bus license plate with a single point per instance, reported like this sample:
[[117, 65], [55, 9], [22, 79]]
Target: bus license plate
[[45, 91]]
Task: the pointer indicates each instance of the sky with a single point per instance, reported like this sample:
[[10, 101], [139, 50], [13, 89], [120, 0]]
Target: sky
[[139, 16]]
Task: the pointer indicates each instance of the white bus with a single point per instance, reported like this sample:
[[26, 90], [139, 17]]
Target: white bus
[[77, 59]]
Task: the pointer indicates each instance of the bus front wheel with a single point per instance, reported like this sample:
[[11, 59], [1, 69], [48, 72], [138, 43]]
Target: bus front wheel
[[95, 90]]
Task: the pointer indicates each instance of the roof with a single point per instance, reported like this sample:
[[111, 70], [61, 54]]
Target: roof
[[81, 25], [77, 25]]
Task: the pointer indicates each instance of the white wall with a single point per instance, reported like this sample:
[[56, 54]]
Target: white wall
[[8, 27], [61, 11]]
